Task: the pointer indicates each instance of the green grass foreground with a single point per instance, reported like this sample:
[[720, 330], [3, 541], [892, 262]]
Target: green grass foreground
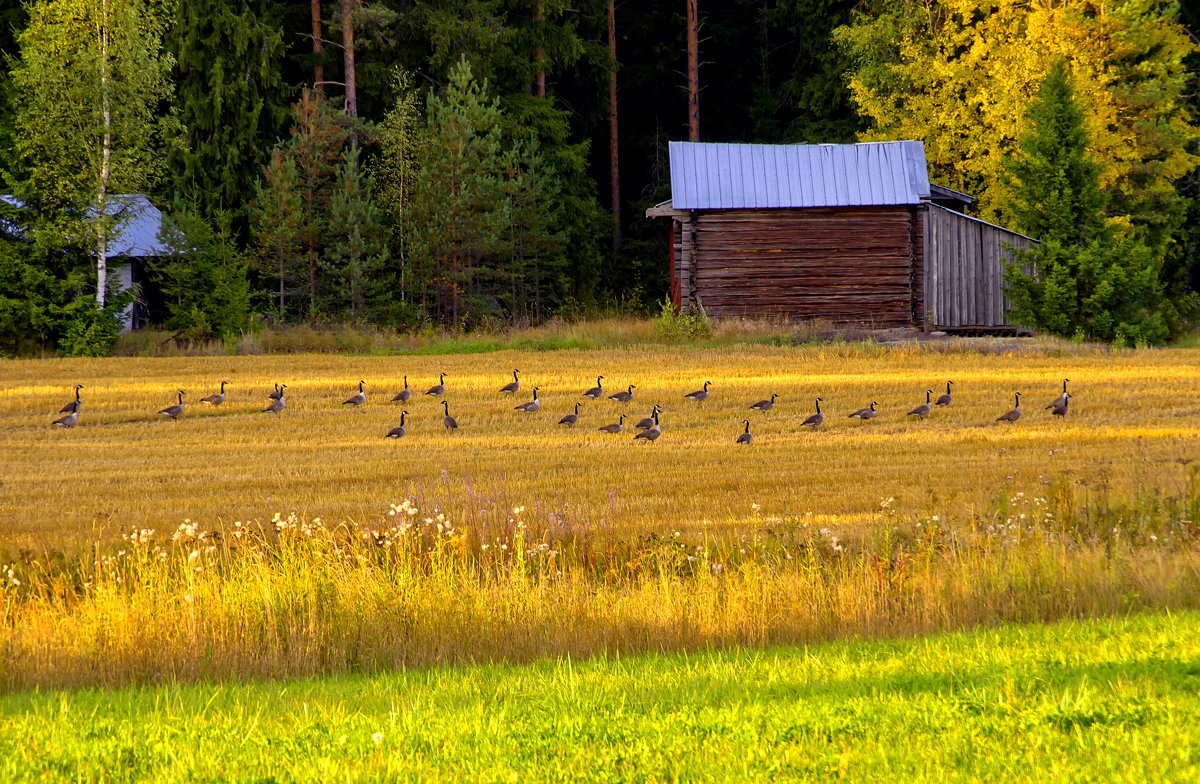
[[1110, 700]]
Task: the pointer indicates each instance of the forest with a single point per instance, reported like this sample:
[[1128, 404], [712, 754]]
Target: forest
[[464, 163]]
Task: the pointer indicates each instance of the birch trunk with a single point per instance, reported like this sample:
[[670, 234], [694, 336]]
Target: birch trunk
[[105, 160]]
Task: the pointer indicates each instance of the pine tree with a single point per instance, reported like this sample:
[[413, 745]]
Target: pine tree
[[277, 218], [205, 279], [458, 216], [356, 253], [231, 98], [320, 134], [1084, 278], [1059, 197]]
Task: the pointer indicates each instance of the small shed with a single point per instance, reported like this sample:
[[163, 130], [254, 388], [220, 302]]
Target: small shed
[[135, 242], [845, 232], [136, 239]]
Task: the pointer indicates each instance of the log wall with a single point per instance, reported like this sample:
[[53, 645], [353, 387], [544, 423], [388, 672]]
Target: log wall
[[964, 270], [845, 264]]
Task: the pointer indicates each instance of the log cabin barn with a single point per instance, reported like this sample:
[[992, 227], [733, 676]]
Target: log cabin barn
[[851, 233]]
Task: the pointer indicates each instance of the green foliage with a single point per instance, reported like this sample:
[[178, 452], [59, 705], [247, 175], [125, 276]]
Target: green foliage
[[88, 86], [205, 279], [91, 331], [958, 74], [276, 219], [675, 327], [1084, 276], [231, 99], [459, 212], [1057, 193], [806, 99], [43, 289], [356, 255], [1108, 289]]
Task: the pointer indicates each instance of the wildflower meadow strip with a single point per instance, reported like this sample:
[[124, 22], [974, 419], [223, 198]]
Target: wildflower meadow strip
[[295, 596]]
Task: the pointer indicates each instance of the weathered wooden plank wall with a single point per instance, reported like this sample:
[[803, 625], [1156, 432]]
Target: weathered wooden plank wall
[[844, 264], [964, 270]]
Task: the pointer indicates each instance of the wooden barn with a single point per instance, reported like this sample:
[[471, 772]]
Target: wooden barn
[[844, 232]]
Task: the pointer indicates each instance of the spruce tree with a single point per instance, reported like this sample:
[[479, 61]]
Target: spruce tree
[[458, 218], [1083, 278], [277, 218], [231, 99], [356, 253]]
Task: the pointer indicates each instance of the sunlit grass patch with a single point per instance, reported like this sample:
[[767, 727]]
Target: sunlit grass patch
[[1110, 700]]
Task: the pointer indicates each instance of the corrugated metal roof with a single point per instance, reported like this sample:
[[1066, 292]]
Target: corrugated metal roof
[[138, 226], [138, 223], [707, 176]]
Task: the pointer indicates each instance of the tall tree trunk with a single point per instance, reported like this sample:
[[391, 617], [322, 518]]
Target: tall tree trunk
[[348, 7], [105, 161], [614, 167], [693, 71], [539, 55], [318, 49]]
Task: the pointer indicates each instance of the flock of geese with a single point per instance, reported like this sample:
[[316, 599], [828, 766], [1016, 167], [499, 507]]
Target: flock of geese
[[648, 429]]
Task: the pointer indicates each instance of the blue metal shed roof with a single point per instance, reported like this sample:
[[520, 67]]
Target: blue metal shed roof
[[706, 176], [138, 223], [138, 226]]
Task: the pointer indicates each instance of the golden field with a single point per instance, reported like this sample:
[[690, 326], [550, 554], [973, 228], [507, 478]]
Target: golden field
[[316, 546], [1134, 419]]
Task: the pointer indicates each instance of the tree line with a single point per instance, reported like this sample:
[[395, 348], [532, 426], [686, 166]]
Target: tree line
[[465, 162]]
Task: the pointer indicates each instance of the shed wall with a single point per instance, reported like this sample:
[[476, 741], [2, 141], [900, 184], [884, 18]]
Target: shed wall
[[845, 264], [964, 270]]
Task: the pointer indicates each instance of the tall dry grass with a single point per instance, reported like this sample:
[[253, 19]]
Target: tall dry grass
[[295, 596]]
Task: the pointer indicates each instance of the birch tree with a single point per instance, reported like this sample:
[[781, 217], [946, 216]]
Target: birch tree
[[89, 81]]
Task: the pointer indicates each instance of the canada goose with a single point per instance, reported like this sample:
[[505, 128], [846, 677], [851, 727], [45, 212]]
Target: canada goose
[[67, 421], [596, 392], [277, 394], [398, 432], [648, 421], [616, 427], [764, 405], [404, 394], [1061, 400], [623, 397], [651, 434], [700, 395], [277, 404], [356, 400], [922, 411], [217, 399], [745, 437], [512, 387], [533, 405], [816, 419], [450, 422], [1060, 409], [1015, 414], [570, 420], [174, 411], [438, 389], [73, 406], [865, 413], [944, 400]]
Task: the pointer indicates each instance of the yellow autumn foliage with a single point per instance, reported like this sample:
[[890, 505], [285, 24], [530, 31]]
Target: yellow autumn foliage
[[959, 75]]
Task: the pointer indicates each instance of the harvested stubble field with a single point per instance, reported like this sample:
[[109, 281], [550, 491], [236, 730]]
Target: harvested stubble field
[[316, 546], [1134, 421]]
